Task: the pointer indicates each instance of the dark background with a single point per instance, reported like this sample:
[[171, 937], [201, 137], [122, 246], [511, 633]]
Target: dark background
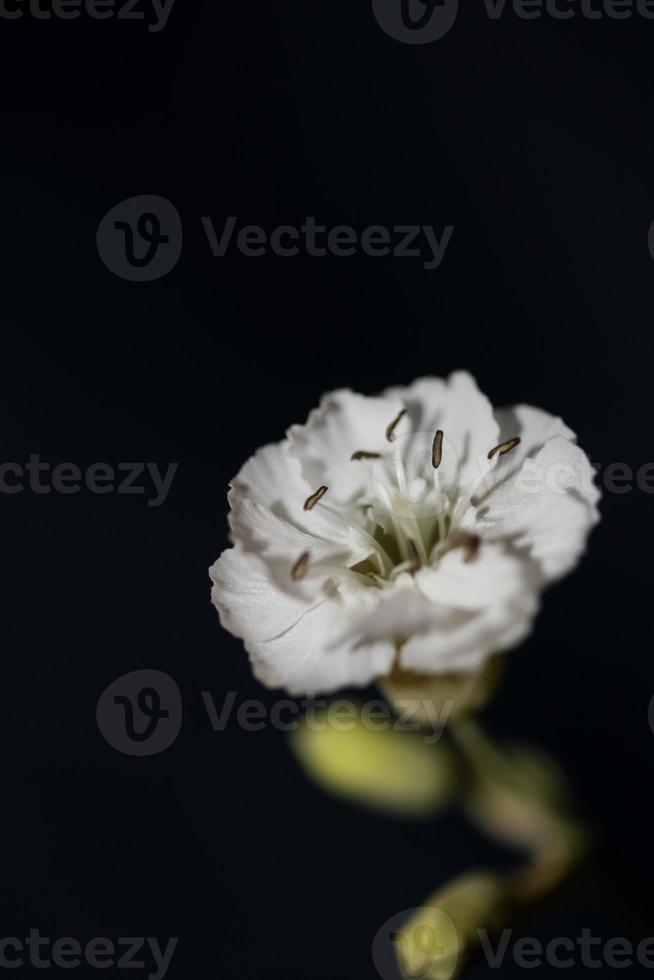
[[534, 139]]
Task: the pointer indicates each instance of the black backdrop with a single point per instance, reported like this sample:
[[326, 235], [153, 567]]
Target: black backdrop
[[532, 138]]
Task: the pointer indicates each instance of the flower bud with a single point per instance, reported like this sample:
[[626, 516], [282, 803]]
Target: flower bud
[[442, 697], [373, 764], [436, 942], [521, 798]]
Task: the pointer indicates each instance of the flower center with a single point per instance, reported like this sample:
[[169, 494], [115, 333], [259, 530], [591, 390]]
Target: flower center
[[412, 509]]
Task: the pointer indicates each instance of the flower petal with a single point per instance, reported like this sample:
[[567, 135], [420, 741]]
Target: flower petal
[[343, 424], [451, 618], [273, 479], [304, 661], [461, 411], [288, 633], [260, 531], [548, 507], [249, 598], [494, 577], [461, 641], [534, 427]]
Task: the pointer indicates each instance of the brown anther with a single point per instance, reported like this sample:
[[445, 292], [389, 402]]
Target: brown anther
[[415, 555], [300, 567], [471, 548], [362, 454], [390, 431], [437, 449], [504, 447], [311, 501]]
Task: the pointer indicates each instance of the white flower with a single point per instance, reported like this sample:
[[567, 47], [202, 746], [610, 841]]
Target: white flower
[[416, 528]]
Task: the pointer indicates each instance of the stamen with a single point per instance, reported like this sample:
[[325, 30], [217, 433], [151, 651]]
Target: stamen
[[437, 449], [405, 566], [300, 567], [471, 548], [415, 555], [311, 501], [504, 447], [390, 431], [362, 454]]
